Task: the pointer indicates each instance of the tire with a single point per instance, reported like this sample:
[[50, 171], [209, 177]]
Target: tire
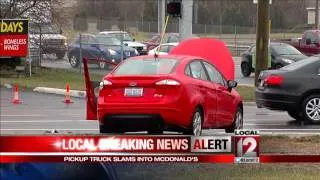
[[197, 123], [295, 115], [311, 108], [74, 61], [60, 55], [237, 122], [246, 69]]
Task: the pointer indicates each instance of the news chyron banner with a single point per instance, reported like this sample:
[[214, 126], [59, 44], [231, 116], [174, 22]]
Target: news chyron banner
[[243, 147], [13, 37]]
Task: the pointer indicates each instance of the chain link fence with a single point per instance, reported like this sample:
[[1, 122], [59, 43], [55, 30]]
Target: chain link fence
[[237, 38]]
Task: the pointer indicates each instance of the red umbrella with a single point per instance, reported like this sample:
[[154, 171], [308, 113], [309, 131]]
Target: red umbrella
[[209, 49]]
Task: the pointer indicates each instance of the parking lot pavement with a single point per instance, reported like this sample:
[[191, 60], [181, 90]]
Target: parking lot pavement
[[64, 64], [42, 112]]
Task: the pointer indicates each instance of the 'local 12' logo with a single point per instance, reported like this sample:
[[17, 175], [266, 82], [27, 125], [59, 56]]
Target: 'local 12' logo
[[246, 146]]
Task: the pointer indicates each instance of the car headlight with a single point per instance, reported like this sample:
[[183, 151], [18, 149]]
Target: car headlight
[[144, 47], [112, 52], [289, 61]]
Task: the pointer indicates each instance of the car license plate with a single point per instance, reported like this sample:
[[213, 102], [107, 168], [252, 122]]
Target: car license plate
[[133, 92]]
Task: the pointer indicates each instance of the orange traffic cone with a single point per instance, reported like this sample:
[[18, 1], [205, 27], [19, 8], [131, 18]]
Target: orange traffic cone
[[67, 99], [16, 99]]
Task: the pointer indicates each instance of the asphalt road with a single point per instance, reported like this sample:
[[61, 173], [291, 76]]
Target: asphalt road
[[51, 61], [42, 112]]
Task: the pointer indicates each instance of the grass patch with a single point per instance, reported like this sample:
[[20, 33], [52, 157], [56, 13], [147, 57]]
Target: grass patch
[[58, 78], [55, 78], [247, 93]]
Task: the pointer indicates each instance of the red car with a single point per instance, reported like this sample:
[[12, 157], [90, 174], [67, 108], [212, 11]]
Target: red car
[[176, 92]]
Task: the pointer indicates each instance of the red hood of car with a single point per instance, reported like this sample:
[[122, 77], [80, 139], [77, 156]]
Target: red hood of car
[[209, 49]]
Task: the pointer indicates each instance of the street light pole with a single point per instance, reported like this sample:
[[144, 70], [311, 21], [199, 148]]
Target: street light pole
[[262, 40]]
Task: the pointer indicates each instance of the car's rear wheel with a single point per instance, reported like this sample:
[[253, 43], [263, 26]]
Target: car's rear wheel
[[311, 108], [237, 122], [197, 122], [105, 129], [246, 69], [74, 61]]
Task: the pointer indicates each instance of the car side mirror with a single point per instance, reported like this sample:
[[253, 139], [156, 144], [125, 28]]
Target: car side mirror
[[232, 84], [126, 44], [308, 41]]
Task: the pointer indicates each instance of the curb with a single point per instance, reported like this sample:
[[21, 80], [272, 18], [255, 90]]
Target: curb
[[73, 93], [246, 85]]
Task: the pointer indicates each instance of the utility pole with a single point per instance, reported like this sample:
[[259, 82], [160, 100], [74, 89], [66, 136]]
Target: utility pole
[[161, 14], [185, 22], [317, 14], [262, 39]]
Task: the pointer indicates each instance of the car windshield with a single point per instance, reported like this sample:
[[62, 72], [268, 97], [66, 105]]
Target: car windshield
[[107, 40], [283, 49], [125, 36], [301, 63], [146, 67]]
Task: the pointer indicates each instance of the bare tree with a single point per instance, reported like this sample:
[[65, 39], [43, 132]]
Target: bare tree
[[38, 11]]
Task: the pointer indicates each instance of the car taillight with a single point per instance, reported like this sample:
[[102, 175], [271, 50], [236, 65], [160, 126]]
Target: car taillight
[[274, 80], [105, 83], [168, 82]]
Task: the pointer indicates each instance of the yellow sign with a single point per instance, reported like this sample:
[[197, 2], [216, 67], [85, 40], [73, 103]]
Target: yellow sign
[[11, 27]]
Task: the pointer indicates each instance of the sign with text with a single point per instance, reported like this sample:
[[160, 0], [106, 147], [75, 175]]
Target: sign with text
[[14, 37], [246, 146]]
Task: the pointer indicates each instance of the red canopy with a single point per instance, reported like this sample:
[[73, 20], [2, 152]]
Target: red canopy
[[209, 49]]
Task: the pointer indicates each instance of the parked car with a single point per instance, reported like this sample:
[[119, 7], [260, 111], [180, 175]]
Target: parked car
[[155, 40], [164, 49], [308, 44], [128, 40], [282, 54], [101, 47], [52, 40], [294, 88]]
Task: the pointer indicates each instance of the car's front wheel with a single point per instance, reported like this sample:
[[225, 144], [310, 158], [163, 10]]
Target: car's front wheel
[[311, 108], [237, 122], [246, 69]]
